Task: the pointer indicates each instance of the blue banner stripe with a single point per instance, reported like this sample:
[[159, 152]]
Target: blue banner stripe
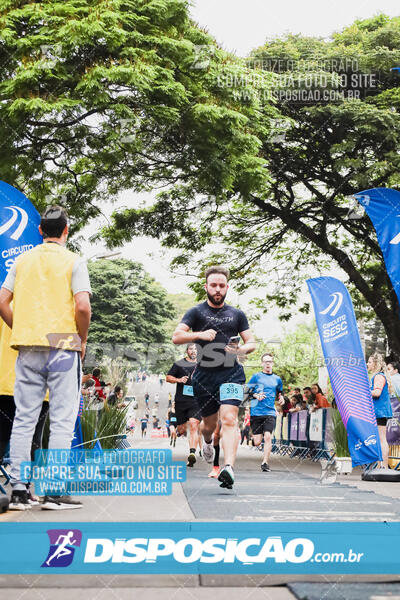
[[217, 547], [382, 206]]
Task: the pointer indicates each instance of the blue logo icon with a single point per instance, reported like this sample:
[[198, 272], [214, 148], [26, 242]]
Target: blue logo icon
[[63, 543]]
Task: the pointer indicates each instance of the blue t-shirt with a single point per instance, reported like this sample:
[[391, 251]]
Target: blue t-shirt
[[269, 385], [382, 405]]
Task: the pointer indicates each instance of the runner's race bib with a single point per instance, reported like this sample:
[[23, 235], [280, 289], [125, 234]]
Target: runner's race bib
[[188, 390], [231, 391]]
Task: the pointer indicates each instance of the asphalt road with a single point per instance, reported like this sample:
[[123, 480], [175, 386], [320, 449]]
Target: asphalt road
[[290, 492]]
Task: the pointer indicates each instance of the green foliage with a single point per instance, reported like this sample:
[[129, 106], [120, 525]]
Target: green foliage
[[130, 315], [181, 303], [128, 306], [107, 95], [339, 434], [112, 423], [300, 216]]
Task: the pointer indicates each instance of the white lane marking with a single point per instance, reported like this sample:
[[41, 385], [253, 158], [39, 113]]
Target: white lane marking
[[265, 499]]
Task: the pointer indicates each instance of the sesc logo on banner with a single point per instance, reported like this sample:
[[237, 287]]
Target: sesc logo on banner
[[19, 221], [19, 230]]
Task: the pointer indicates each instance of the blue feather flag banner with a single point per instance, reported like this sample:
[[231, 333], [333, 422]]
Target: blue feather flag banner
[[344, 359]]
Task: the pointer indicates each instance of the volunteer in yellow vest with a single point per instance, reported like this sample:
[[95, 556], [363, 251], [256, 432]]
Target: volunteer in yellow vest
[[8, 356], [50, 317]]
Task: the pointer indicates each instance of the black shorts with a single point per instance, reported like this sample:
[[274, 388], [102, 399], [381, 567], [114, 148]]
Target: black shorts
[[185, 410], [206, 386], [261, 424], [382, 420]]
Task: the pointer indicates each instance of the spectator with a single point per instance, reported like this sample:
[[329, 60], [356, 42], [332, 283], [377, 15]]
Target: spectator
[[98, 385], [393, 370], [284, 405], [114, 399], [319, 399], [296, 402], [380, 396], [308, 395]]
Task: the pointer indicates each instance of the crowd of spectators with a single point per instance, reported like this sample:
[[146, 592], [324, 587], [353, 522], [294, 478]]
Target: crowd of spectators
[[311, 399]]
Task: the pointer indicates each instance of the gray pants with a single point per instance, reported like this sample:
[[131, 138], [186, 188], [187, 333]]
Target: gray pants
[[59, 371]]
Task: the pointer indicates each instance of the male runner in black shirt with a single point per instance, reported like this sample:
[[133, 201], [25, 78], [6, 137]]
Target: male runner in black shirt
[[186, 407], [219, 377]]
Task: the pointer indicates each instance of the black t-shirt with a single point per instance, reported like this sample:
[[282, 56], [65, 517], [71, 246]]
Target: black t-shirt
[[227, 322], [179, 369]]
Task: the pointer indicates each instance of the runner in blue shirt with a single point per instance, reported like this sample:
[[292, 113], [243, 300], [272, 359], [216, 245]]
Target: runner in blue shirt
[[266, 387]]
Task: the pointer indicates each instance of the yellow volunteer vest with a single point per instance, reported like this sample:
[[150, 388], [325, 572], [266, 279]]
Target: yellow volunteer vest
[[43, 303], [8, 356]]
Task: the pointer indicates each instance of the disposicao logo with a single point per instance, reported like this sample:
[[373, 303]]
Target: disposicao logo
[[63, 543], [189, 550], [16, 211], [334, 305]]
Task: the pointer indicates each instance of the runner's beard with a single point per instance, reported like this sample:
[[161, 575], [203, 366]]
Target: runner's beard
[[214, 301]]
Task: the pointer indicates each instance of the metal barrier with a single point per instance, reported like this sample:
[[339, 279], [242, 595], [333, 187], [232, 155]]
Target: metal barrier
[[304, 435]]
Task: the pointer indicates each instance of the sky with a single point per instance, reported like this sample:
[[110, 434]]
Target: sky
[[239, 26]]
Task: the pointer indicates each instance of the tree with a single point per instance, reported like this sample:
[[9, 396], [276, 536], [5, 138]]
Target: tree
[[181, 303], [322, 152], [110, 95], [130, 313]]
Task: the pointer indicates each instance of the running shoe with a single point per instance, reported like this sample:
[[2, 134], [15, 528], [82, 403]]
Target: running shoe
[[226, 477], [191, 459], [60, 503], [265, 467], [33, 500], [208, 451], [19, 500], [215, 471]]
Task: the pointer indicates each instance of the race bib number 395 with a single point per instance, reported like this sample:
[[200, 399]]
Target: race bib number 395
[[231, 391]]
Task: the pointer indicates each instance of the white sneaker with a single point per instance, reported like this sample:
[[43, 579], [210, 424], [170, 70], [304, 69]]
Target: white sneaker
[[208, 451], [226, 477]]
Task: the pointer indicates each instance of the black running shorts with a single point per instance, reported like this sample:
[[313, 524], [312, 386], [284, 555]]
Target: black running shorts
[[207, 383], [185, 410], [261, 424]]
